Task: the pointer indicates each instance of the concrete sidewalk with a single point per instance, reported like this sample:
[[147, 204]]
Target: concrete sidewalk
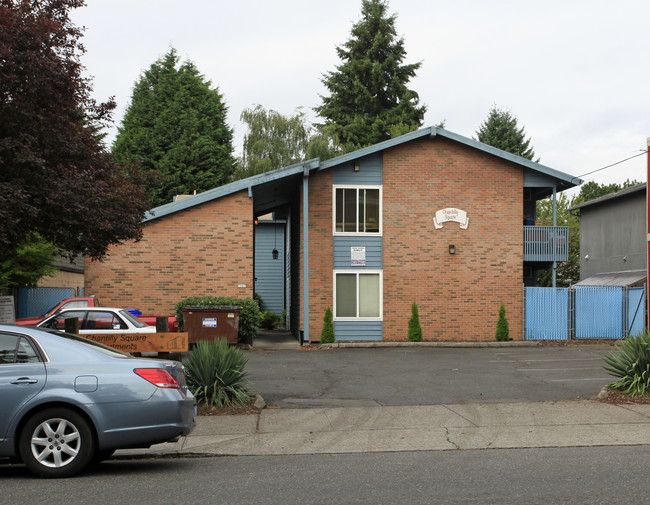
[[419, 428]]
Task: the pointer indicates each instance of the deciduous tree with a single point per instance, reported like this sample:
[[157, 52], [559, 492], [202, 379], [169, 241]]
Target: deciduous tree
[[175, 126], [57, 179], [369, 100], [275, 141]]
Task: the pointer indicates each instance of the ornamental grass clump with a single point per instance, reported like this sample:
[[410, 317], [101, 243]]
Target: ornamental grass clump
[[215, 374], [630, 362]]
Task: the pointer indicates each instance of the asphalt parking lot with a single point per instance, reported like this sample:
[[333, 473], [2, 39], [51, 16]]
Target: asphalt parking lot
[[426, 375]]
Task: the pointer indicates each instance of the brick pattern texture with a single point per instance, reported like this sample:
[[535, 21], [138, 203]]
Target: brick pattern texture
[[204, 250], [321, 254], [459, 295]]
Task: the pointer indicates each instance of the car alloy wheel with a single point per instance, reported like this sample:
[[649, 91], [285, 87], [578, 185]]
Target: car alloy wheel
[[56, 442]]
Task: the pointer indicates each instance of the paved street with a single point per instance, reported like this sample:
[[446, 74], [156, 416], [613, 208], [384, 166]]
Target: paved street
[[426, 375], [593, 475]]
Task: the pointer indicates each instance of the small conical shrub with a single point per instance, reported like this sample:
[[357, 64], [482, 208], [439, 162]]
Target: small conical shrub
[[327, 335], [503, 330], [415, 330]]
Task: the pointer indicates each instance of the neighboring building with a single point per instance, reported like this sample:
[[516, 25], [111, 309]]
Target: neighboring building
[[613, 238], [429, 217], [69, 274]]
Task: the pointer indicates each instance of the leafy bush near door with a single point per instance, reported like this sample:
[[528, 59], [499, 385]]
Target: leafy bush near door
[[250, 316], [215, 374], [271, 321]]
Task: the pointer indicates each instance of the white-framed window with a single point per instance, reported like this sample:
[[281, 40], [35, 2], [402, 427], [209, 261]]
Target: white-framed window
[[358, 295], [357, 210]]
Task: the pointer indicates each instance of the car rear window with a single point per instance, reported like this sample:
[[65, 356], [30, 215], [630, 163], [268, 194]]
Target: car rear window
[[134, 320]]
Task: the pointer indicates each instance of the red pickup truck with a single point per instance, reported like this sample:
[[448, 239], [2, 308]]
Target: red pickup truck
[[93, 301]]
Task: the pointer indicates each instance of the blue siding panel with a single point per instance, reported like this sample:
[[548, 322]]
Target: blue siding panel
[[269, 273], [346, 331], [370, 172], [342, 255]]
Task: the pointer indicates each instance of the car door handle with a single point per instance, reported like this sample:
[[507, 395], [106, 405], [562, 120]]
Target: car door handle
[[25, 380]]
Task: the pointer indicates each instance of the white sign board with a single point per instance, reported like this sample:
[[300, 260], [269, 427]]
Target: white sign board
[[358, 256], [7, 315], [209, 322], [450, 214]]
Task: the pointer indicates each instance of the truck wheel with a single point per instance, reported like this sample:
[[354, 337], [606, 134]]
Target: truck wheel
[[56, 442]]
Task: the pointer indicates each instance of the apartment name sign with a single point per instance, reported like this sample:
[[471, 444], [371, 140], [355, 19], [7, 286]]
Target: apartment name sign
[[451, 214]]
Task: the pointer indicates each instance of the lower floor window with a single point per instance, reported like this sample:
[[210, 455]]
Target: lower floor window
[[358, 295]]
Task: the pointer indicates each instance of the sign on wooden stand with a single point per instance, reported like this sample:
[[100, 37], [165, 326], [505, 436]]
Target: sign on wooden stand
[[142, 342]]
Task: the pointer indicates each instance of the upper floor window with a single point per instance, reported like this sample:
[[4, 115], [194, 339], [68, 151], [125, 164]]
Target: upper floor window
[[357, 210]]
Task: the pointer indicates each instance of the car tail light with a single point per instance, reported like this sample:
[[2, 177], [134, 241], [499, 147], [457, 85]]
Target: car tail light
[[158, 377]]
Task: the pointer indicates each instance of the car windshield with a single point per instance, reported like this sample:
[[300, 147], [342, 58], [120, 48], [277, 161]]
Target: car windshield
[[134, 320], [109, 351]]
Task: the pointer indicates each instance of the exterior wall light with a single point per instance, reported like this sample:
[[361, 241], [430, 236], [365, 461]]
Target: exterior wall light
[[452, 249], [356, 167], [275, 254]]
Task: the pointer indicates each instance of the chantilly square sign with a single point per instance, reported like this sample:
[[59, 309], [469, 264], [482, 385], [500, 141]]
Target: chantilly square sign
[[450, 214]]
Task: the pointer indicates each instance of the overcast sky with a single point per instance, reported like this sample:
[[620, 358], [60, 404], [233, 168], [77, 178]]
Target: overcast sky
[[574, 72]]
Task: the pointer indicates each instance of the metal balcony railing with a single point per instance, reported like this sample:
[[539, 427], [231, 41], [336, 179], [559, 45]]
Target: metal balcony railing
[[546, 243]]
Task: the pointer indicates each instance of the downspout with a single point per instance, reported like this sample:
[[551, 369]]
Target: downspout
[[554, 235], [305, 231]]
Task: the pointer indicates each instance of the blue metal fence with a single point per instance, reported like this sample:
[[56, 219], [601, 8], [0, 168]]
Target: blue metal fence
[[583, 312], [635, 311], [599, 312], [547, 314], [34, 302]]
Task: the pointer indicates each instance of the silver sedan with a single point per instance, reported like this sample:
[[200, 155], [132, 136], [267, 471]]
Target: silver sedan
[[68, 402]]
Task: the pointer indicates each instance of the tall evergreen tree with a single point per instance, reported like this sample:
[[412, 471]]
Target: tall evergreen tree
[[369, 99], [176, 127], [501, 130]]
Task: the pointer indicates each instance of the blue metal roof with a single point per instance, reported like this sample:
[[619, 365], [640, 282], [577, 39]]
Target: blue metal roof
[[565, 180]]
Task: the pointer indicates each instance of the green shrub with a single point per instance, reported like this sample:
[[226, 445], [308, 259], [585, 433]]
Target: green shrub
[[249, 316], [503, 329], [270, 320], [630, 362], [327, 335], [415, 330], [215, 374]]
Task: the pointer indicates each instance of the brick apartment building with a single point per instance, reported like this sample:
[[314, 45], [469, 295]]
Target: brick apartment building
[[429, 217]]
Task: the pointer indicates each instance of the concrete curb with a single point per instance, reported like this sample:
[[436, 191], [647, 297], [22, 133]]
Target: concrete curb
[[581, 423], [339, 345]]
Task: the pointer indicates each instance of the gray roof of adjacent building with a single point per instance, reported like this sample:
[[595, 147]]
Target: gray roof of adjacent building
[[611, 196], [625, 278]]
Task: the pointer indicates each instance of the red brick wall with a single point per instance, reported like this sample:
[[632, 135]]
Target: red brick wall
[[459, 295], [204, 250], [320, 251]]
